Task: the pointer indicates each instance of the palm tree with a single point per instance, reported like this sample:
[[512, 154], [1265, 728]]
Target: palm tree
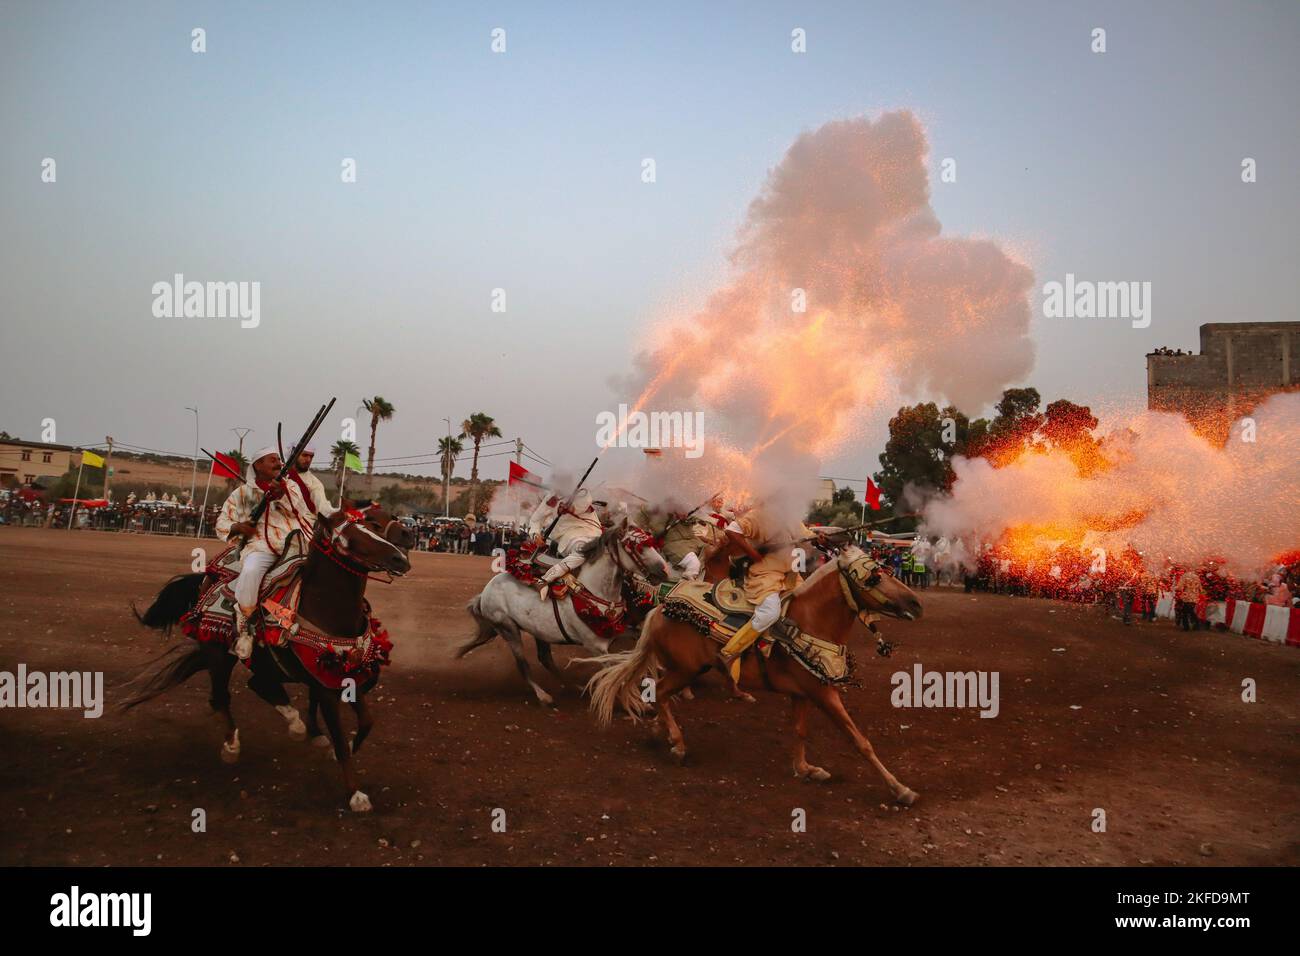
[[380, 410], [339, 452], [238, 456], [477, 427], [449, 450]]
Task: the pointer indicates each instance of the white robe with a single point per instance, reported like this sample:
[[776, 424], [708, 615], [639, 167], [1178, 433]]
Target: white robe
[[318, 496], [281, 516]]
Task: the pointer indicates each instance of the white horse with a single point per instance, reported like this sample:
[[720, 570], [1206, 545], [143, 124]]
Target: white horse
[[506, 607]]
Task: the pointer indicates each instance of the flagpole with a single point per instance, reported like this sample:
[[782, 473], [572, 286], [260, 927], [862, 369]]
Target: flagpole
[[203, 511], [72, 514], [343, 477]]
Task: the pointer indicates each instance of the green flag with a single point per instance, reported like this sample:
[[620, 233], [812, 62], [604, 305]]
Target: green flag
[[352, 461]]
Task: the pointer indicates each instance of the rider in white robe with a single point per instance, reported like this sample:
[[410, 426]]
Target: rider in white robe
[[578, 524], [264, 541]]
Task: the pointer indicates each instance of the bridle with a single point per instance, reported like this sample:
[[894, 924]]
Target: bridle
[[335, 547], [863, 575], [634, 542]]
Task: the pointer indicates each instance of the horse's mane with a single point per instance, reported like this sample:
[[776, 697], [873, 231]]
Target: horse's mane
[[813, 579]]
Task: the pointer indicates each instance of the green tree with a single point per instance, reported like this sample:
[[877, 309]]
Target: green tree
[[449, 450], [380, 410], [477, 427], [339, 452]]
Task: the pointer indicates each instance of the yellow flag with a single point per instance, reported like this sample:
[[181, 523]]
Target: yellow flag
[[90, 459]]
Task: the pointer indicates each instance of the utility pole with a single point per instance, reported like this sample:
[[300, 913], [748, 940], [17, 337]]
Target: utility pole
[[108, 465], [194, 471], [519, 460], [241, 432]]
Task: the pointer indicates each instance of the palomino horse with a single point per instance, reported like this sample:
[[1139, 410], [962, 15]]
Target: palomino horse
[[506, 606], [345, 548], [826, 605]]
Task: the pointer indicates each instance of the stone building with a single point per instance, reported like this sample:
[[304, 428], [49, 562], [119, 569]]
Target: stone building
[[1239, 365]]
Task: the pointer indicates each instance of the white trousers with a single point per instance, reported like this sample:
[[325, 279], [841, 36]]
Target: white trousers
[[252, 569], [767, 612], [690, 566]]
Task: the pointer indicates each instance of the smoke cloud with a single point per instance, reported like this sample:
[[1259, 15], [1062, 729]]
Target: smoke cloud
[[1167, 492], [844, 223]]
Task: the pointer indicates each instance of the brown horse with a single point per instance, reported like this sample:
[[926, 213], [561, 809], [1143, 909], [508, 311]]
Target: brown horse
[[827, 605], [345, 548]]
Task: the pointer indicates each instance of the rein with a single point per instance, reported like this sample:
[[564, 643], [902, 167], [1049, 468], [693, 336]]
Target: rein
[[330, 550]]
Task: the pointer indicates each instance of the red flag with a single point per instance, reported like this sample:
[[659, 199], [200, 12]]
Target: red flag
[[519, 475], [223, 466], [873, 495]]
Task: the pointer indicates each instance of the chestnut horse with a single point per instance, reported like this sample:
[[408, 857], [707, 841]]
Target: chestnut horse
[[345, 548], [827, 605]]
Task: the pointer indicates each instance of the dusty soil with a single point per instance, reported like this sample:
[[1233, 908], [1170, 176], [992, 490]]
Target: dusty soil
[[1144, 722]]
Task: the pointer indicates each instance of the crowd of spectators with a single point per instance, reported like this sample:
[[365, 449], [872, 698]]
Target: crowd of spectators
[[1127, 586]]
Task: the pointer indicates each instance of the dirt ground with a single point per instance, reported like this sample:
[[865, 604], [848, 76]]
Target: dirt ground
[[1144, 722]]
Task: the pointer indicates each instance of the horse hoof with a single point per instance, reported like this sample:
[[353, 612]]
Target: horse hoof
[[320, 740], [679, 755], [360, 803], [747, 698], [814, 774], [686, 694], [546, 700], [230, 749], [907, 797], [298, 730]]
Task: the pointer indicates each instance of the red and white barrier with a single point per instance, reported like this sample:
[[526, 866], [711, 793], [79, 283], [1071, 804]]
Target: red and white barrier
[[1281, 625], [1269, 622]]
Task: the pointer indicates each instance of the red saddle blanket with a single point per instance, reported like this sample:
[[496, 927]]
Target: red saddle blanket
[[604, 618], [329, 659]]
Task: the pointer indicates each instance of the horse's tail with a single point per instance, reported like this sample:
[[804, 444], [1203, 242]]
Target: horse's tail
[[173, 667], [618, 683], [485, 629], [176, 597]]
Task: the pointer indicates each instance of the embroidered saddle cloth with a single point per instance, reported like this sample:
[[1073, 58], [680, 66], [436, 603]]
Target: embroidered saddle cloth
[[719, 610]]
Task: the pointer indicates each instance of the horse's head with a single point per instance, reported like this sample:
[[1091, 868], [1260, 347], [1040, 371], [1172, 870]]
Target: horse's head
[[867, 587], [364, 539], [635, 551], [382, 522]]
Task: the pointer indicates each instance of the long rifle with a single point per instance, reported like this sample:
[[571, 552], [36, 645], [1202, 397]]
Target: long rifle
[[687, 516], [303, 442], [568, 501]]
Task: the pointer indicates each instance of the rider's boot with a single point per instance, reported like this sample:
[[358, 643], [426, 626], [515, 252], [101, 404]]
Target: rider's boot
[[244, 635]]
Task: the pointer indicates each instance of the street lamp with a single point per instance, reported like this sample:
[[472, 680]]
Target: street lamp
[[194, 471]]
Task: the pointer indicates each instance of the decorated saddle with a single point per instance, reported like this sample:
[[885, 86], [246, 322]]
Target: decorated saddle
[[719, 610], [328, 658], [606, 619]]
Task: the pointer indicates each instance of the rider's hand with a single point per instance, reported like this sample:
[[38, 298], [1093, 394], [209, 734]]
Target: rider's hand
[[242, 529]]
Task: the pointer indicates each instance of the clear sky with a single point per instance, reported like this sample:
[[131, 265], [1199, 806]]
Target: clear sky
[[521, 171]]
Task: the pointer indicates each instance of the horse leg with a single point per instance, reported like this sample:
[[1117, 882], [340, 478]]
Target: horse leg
[[365, 722], [219, 664], [318, 738], [799, 719], [829, 700], [732, 684], [272, 691], [544, 655], [515, 642], [329, 708], [667, 685]]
